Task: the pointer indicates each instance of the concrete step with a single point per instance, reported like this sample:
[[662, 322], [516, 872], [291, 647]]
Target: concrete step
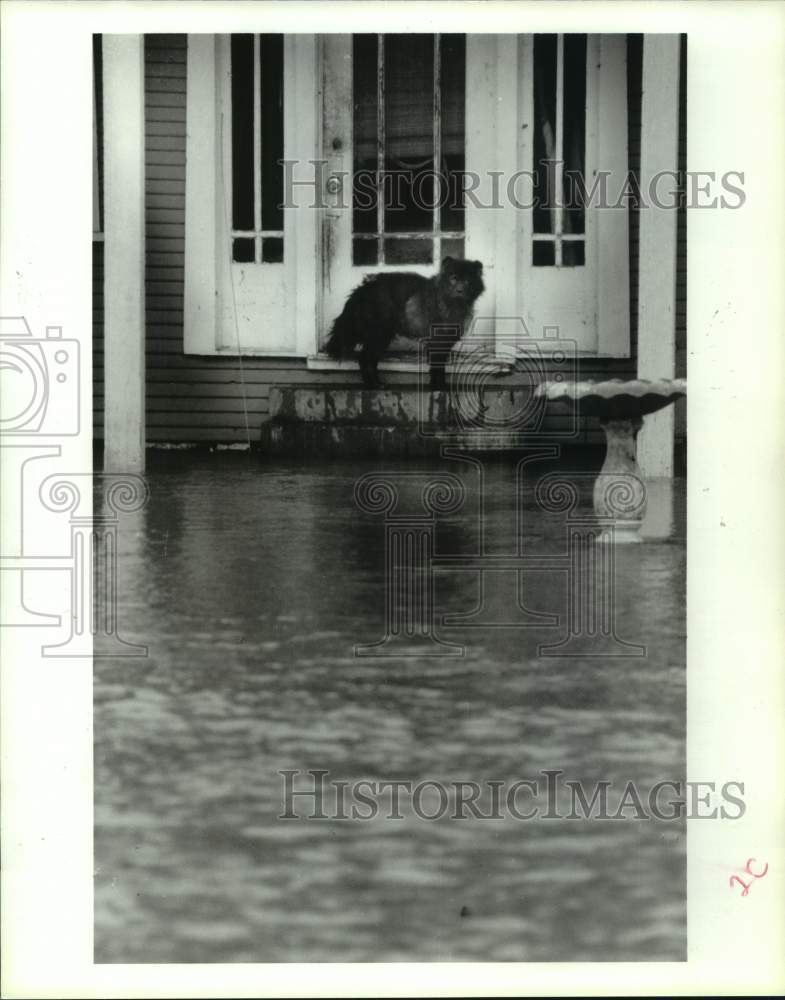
[[404, 420]]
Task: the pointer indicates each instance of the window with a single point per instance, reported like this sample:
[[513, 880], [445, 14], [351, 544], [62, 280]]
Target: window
[[559, 150], [409, 141], [257, 148]]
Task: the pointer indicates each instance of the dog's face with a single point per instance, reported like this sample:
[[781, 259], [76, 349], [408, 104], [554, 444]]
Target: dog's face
[[462, 279]]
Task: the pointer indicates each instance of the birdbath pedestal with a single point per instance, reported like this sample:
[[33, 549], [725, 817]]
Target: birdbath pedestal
[[619, 490]]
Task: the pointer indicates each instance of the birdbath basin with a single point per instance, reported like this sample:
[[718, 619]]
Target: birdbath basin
[[619, 490]]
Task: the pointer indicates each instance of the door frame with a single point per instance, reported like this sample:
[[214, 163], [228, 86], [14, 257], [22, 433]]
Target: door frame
[[493, 144]]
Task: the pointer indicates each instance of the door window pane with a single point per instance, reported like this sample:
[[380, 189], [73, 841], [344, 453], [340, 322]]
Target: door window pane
[[408, 251], [409, 132], [452, 248], [244, 250], [543, 254], [453, 123], [242, 132], [366, 115], [572, 253], [364, 252], [257, 138], [545, 60], [559, 147], [271, 73], [574, 131], [409, 140], [272, 250]]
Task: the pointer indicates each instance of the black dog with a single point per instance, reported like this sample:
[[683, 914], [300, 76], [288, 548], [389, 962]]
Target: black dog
[[408, 305]]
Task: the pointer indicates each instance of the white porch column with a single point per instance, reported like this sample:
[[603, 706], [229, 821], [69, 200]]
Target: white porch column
[[124, 318], [657, 258]]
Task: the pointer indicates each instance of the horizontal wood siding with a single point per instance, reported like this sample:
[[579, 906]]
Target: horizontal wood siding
[[98, 339], [206, 399]]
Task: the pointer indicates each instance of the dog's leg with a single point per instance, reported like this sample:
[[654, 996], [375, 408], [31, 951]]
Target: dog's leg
[[437, 370], [369, 368]]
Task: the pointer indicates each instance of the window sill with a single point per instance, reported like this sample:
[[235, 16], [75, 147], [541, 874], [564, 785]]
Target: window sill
[[411, 364], [408, 363]]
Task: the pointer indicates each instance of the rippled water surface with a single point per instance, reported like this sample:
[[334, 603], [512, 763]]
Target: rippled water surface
[[251, 584]]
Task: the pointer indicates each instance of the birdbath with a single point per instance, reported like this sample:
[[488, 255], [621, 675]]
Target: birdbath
[[619, 490]]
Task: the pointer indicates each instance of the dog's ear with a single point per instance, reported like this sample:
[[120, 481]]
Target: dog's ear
[[478, 266], [447, 263]]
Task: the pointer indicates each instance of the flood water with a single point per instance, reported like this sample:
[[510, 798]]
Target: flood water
[[251, 584]]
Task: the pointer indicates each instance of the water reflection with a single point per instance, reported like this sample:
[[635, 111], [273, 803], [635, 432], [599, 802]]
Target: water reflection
[[251, 584]]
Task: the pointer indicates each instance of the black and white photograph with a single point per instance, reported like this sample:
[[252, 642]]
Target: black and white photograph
[[378, 561], [387, 621]]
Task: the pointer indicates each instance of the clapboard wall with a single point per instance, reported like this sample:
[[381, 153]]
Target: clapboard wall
[[217, 399]]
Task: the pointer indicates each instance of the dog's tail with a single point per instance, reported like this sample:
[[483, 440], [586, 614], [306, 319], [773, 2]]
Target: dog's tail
[[341, 341]]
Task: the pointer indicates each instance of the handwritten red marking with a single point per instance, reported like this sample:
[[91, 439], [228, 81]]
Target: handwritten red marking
[[748, 869], [735, 878]]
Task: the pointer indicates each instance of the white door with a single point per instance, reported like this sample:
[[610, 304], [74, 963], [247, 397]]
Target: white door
[[573, 247], [407, 120], [394, 110], [557, 256], [254, 231], [251, 262]]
